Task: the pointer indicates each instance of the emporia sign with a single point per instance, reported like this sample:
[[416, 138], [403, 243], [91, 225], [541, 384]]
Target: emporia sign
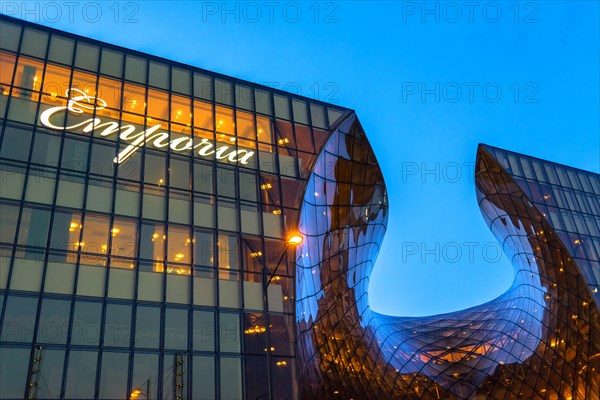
[[153, 136]]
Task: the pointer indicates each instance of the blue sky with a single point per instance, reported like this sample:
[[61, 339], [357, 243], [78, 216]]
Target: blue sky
[[429, 81]]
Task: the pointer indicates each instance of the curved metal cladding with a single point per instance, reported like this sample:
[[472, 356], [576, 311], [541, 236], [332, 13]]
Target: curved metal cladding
[[539, 340]]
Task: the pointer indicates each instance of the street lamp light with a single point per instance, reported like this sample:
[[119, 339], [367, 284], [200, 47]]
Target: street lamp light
[[294, 240], [135, 393]]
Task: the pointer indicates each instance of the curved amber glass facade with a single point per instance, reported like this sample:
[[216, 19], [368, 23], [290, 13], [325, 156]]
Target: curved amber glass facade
[[539, 340]]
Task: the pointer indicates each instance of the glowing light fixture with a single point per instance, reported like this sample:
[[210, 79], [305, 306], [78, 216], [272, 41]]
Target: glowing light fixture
[[295, 239]]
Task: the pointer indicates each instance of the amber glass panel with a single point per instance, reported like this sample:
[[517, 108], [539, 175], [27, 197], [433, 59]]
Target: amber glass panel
[[224, 120], [56, 82], [124, 238], [179, 129], [246, 144], [179, 245], [84, 82], [109, 90], [245, 130], [134, 98], [203, 115], [7, 66], [201, 133], [181, 111], [245, 125], [95, 234], [158, 104], [264, 133], [133, 119], [29, 74], [221, 137]]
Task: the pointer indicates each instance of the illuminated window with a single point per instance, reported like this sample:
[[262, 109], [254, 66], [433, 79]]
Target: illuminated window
[[181, 112], [124, 239], [109, 90], [224, 122], [29, 74], [264, 133], [180, 245], [203, 115], [84, 82], [158, 105], [7, 65], [245, 125], [56, 81], [134, 99], [152, 243], [95, 234]]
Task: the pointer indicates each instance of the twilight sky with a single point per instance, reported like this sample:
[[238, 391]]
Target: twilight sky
[[429, 81]]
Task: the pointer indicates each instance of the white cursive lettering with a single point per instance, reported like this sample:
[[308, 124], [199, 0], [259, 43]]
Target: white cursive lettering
[[81, 102]]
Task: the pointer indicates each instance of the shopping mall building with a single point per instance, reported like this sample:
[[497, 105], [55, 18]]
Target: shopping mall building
[[172, 233]]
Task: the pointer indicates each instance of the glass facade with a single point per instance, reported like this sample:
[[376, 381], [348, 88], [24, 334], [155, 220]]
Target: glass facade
[[539, 340], [146, 212], [145, 209]]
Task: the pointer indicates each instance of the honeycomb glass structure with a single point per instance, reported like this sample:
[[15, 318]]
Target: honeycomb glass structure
[[539, 340]]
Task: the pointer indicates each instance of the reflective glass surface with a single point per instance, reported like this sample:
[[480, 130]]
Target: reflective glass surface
[[145, 207], [539, 340], [145, 211]]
